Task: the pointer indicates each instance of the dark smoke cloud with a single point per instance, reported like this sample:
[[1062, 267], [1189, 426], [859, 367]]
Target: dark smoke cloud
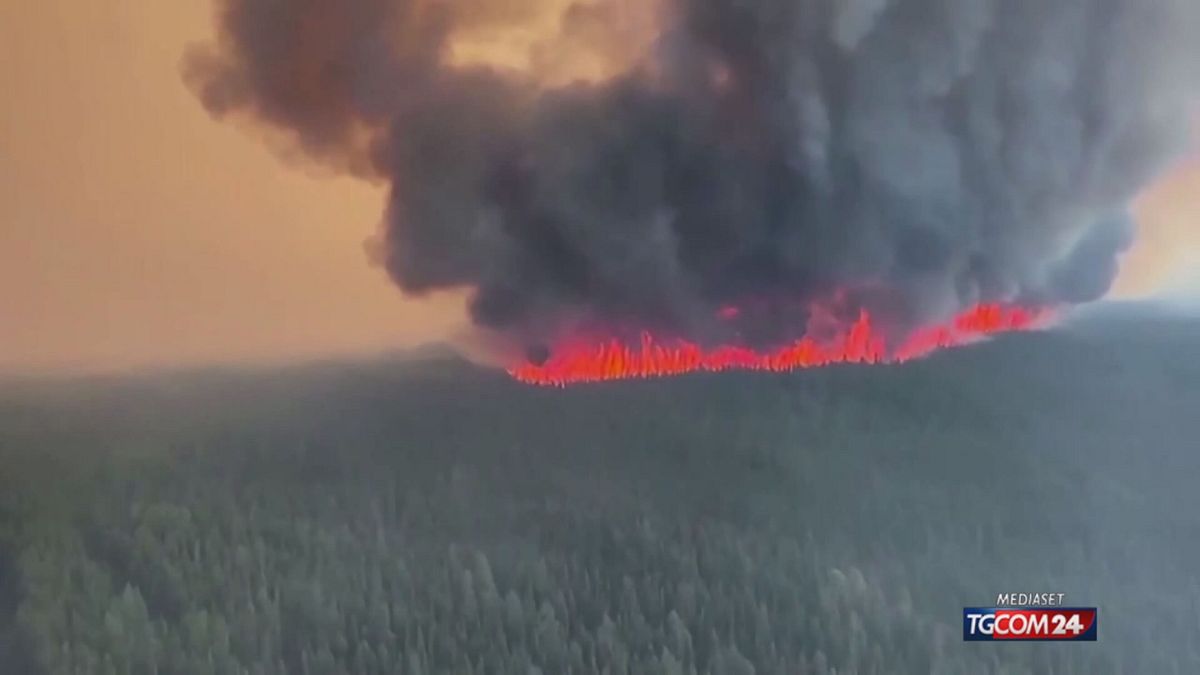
[[922, 154]]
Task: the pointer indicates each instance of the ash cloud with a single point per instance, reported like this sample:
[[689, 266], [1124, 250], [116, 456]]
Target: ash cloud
[[912, 155]]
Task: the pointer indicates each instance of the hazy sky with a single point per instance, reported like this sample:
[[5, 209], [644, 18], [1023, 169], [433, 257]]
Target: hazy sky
[[135, 231], [1167, 254]]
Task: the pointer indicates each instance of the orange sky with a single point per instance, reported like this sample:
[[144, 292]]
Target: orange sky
[[1167, 253], [135, 230]]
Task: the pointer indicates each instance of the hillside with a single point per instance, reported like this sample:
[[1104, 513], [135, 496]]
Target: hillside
[[431, 517]]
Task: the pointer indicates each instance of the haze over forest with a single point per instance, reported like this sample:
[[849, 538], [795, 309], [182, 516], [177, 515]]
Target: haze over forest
[[427, 516]]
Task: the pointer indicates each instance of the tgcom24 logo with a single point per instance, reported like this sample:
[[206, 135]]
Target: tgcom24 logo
[[1030, 617]]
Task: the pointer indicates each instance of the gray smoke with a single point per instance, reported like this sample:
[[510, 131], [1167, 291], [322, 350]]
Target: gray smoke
[[917, 156]]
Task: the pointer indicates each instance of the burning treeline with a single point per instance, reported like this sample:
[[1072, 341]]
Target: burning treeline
[[733, 174]]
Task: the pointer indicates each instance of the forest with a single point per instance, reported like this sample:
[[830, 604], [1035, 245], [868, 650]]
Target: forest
[[421, 515]]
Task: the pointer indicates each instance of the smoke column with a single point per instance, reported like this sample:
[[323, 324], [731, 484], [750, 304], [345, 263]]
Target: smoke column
[[713, 169]]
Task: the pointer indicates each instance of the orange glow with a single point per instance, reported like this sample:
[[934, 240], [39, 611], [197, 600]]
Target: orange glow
[[861, 342], [554, 42], [1167, 248]]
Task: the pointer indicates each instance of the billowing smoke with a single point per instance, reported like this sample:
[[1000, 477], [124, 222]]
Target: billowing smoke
[[632, 164]]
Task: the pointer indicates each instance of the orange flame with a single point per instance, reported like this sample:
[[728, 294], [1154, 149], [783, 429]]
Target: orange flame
[[861, 342]]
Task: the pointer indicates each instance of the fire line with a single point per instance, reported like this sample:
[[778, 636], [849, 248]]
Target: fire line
[[861, 343]]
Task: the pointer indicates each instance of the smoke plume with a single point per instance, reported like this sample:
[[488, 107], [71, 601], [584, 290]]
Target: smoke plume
[[632, 164]]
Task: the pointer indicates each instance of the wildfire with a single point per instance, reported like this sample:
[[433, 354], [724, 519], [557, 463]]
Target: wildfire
[[861, 342]]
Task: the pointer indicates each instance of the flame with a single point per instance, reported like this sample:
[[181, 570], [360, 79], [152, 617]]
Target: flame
[[861, 342]]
